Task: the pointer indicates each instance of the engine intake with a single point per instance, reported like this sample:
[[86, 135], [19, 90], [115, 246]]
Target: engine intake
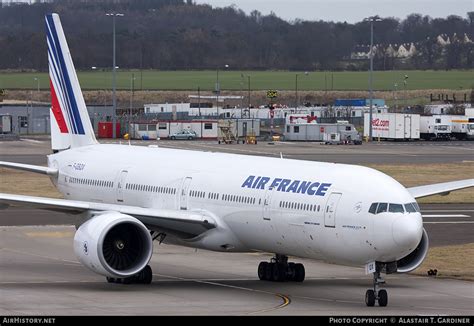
[[113, 244], [413, 260]]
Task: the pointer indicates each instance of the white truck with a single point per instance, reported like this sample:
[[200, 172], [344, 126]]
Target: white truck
[[396, 126], [435, 127], [462, 127]]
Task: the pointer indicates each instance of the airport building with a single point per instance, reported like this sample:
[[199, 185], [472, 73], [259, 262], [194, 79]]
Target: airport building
[[33, 118]]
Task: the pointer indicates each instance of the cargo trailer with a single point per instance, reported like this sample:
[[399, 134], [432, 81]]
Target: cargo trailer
[[393, 126]]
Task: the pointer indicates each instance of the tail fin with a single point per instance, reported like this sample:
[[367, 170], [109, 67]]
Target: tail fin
[[70, 123]]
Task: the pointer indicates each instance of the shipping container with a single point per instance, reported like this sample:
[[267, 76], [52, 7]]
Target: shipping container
[[350, 102], [205, 129], [435, 127], [318, 131], [393, 126], [106, 131], [379, 102]]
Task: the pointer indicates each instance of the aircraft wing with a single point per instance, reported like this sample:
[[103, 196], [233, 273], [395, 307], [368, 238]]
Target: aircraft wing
[[29, 168], [185, 224], [440, 188]]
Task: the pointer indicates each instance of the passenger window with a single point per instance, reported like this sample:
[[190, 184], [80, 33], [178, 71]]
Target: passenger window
[[373, 208], [396, 208], [382, 208]]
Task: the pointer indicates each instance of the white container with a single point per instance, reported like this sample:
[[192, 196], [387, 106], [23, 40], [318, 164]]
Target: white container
[[393, 126]]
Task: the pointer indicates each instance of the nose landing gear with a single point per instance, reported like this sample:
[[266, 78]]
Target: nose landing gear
[[380, 296]]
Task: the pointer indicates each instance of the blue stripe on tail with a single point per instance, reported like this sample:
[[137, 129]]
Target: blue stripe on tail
[[56, 49]]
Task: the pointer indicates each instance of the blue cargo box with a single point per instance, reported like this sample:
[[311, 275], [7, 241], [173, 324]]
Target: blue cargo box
[[375, 102], [350, 102]]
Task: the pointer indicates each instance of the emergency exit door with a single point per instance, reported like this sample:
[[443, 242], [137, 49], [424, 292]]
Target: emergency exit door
[[331, 208], [121, 185]]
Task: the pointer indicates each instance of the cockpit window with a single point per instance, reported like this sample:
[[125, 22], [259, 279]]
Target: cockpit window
[[382, 208], [396, 208], [410, 208], [373, 208], [415, 204], [377, 208]]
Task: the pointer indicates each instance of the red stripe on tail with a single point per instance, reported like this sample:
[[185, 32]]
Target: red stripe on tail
[[58, 114]]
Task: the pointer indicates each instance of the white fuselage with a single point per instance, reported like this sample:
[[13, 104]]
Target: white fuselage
[[314, 210]]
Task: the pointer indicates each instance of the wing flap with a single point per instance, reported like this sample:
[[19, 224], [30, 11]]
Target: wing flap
[[440, 188], [29, 168], [184, 223]]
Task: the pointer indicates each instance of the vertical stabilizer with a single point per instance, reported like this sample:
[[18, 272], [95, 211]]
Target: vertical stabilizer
[[70, 123]]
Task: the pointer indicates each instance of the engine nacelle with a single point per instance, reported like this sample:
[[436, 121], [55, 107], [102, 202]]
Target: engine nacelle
[[416, 257], [113, 244]]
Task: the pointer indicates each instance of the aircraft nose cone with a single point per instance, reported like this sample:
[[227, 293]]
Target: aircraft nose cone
[[407, 230]]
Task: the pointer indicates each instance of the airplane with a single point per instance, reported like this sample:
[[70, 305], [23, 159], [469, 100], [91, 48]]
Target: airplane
[[128, 196]]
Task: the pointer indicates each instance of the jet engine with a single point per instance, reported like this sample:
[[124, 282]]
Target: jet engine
[[416, 257], [113, 244]]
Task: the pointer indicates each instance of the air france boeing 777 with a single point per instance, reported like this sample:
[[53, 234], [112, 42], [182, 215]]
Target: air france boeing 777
[[131, 195]]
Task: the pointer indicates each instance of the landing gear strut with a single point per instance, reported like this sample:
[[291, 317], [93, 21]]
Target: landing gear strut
[[376, 295], [144, 276], [280, 270]]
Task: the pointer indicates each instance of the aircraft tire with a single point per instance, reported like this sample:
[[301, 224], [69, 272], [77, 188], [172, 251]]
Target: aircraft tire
[[262, 270], [383, 298], [299, 273], [268, 271], [370, 298], [278, 274]]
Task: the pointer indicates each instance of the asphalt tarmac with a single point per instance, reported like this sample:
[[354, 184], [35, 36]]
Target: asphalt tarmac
[[39, 275], [34, 151]]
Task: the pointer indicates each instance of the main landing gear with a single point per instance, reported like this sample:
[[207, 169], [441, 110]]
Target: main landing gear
[[376, 295], [145, 276], [280, 270]]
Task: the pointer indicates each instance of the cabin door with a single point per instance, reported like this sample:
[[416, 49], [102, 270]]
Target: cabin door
[[330, 210]]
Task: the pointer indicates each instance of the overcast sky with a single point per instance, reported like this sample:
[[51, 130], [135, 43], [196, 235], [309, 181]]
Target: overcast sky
[[349, 10]]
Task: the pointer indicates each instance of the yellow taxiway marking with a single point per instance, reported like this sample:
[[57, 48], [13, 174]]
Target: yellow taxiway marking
[[286, 299]]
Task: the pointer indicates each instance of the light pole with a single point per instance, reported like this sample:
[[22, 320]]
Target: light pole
[[296, 92], [114, 81], [405, 85], [306, 73], [395, 96], [132, 88], [248, 79], [372, 19], [241, 95], [37, 88], [218, 89]]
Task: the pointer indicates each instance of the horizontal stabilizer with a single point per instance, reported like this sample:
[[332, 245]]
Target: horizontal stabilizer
[[29, 168]]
